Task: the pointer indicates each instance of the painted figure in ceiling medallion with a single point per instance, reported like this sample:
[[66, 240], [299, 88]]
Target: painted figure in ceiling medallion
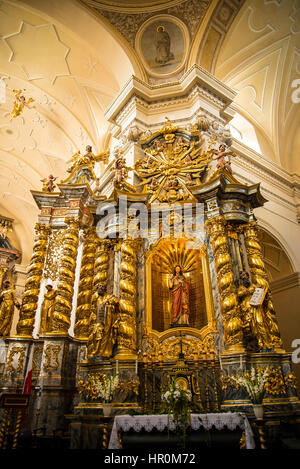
[[163, 46], [180, 297]]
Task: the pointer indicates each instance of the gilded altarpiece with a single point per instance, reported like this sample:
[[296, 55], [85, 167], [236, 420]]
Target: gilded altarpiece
[[149, 308]]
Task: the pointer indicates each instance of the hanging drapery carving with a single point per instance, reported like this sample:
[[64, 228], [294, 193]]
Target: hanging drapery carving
[[32, 285], [126, 344], [85, 287], [230, 309], [66, 277], [263, 319]]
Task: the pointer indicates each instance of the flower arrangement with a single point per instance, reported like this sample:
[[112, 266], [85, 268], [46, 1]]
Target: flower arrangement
[[254, 383], [178, 402], [99, 386], [106, 387]]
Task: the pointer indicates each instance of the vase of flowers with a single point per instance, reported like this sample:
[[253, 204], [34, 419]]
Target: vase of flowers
[[253, 382], [104, 388], [178, 403]]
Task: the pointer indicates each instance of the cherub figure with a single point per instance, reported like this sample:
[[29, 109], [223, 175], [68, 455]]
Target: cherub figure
[[121, 174], [189, 180], [48, 183], [158, 147], [220, 157], [154, 184], [20, 103]]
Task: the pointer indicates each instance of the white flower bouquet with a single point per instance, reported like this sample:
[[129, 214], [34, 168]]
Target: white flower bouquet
[[253, 383], [175, 395], [105, 387]]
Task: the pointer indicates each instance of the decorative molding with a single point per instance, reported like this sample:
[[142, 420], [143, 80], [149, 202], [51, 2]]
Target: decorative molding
[[196, 75], [46, 70], [191, 12], [285, 283]]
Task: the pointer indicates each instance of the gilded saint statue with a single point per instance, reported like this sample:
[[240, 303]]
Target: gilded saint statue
[[8, 301], [103, 323], [47, 309], [259, 321], [180, 297]]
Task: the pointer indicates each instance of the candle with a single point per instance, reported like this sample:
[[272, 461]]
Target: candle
[[117, 367], [136, 367], [241, 362], [221, 366]]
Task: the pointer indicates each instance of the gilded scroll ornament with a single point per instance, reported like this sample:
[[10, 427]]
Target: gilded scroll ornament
[[32, 285], [66, 277], [84, 298], [275, 385], [51, 357], [233, 327], [16, 350], [169, 349]]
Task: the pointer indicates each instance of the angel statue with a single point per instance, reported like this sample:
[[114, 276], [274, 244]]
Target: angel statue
[[48, 183], [220, 157], [20, 103], [121, 174], [87, 159]]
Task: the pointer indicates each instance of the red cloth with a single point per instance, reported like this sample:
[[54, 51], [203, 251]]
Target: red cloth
[[178, 303]]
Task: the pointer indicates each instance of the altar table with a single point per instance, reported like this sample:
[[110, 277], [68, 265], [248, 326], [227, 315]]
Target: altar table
[[220, 421]]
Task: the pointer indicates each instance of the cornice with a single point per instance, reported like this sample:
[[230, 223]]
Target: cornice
[[132, 7], [266, 171], [196, 75], [285, 283]]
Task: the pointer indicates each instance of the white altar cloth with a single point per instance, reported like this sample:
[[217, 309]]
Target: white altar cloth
[[160, 422]]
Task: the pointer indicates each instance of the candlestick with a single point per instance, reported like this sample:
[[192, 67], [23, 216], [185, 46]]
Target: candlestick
[[221, 366]]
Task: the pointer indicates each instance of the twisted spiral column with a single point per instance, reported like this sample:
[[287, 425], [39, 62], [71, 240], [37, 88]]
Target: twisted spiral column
[[126, 347], [233, 334], [259, 278], [255, 255], [66, 276], [85, 287], [101, 263], [32, 286]]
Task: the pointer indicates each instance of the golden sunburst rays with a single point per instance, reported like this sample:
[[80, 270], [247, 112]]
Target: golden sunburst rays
[[168, 168], [170, 254]]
